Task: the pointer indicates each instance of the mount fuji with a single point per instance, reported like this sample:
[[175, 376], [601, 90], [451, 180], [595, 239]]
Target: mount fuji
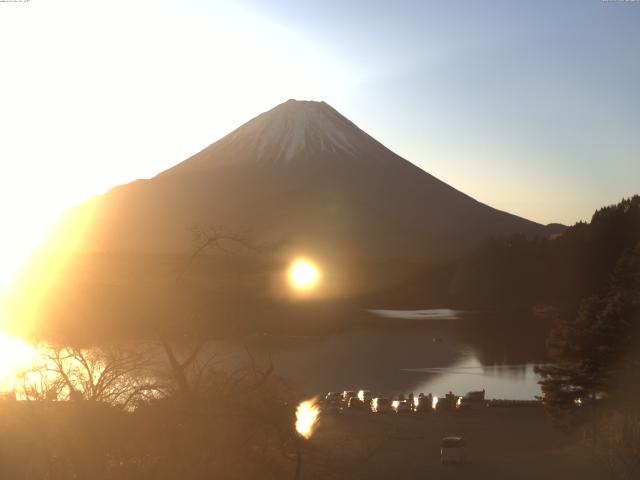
[[298, 180], [303, 177]]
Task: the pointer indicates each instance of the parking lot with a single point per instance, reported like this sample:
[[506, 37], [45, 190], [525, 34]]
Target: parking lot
[[513, 443]]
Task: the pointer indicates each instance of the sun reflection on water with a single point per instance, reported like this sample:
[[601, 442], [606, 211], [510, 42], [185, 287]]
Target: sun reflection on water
[[307, 417]]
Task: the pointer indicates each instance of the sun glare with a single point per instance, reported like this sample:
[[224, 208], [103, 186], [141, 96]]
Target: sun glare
[[41, 179], [307, 417], [304, 275], [15, 355]]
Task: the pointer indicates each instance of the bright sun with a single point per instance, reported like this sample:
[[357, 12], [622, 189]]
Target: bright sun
[[303, 275]]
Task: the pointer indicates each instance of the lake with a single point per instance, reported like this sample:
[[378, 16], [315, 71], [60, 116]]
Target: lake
[[398, 351]]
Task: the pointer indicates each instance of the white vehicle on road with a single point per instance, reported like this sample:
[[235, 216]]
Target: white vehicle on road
[[453, 450]]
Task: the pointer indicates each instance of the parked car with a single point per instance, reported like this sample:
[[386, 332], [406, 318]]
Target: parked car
[[355, 403], [347, 394], [446, 403], [422, 404], [477, 396], [332, 397], [462, 403], [380, 405], [401, 406], [365, 396], [333, 402], [453, 450]]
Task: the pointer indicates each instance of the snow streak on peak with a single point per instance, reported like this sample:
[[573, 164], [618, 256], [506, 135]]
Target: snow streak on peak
[[295, 132], [296, 127]]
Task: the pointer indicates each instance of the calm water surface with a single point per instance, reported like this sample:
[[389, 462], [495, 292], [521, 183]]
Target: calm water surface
[[499, 378], [433, 351]]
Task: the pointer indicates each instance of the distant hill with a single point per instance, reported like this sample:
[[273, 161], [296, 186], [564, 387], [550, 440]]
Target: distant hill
[[300, 179], [520, 273]]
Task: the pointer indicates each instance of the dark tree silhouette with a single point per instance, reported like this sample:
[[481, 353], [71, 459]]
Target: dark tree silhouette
[[518, 272], [593, 354]]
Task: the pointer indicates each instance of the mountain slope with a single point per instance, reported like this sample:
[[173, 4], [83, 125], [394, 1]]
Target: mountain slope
[[302, 175], [298, 180]]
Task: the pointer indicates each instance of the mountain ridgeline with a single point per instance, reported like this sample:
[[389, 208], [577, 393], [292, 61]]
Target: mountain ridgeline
[[301, 177], [298, 180]]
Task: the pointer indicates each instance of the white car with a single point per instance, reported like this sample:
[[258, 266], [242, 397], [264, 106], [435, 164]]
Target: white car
[[380, 405], [401, 406], [347, 394], [453, 450]]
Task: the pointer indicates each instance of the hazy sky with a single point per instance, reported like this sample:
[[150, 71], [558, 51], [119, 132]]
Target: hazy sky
[[531, 107]]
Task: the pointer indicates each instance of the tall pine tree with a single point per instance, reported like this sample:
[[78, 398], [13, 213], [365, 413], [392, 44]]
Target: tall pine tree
[[597, 352]]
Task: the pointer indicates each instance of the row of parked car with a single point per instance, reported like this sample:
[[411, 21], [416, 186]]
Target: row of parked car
[[453, 449], [365, 400]]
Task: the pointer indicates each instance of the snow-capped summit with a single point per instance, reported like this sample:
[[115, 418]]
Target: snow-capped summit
[[295, 126], [296, 130]]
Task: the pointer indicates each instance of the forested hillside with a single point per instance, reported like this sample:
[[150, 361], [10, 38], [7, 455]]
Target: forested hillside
[[519, 272]]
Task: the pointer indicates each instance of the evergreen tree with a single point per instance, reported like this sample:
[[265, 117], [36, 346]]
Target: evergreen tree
[[597, 351]]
